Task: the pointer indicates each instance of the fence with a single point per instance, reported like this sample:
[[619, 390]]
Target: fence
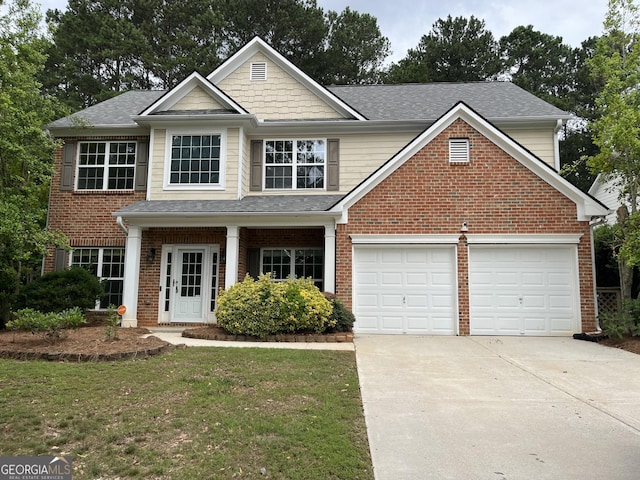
[[609, 300]]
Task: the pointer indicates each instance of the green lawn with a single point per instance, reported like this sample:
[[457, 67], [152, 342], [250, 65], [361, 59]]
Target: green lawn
[[194, 413]]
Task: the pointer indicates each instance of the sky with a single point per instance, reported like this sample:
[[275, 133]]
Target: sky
[[404, 22]]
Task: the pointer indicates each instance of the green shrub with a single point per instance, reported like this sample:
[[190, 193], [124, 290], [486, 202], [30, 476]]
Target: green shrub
[[51, 324], [625, 322], [62, 290], [340, 314], [264, 307]]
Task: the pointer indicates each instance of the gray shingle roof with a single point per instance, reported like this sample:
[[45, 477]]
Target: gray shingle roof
[[252, 204], [429, 101], [492, 100], [114, 111]]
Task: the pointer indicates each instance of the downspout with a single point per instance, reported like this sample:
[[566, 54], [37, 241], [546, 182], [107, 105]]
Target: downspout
[[556, 144], [121, 224], [592, 225]]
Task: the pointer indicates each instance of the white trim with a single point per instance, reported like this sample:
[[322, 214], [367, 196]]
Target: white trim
[[232, 256], [152, 138], [329, 280], [167, 185], [531, 239], [241, 144], [404, 239]]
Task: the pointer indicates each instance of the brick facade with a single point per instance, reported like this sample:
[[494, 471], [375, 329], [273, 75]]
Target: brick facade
[[493, 194]]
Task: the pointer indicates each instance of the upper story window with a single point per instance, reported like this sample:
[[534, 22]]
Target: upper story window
[[294, 164], [106, 165], [195, 160]]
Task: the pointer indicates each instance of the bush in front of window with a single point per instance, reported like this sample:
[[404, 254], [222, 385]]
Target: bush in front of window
[[62, 290], [264, 307]]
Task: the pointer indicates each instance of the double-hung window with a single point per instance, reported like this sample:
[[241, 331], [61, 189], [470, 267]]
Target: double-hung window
[[106, 165], [284, 263], [108, 265], [195, 160], [295, 164]]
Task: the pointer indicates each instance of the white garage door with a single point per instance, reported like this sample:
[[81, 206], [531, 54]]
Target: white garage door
[[405, 289], [521, 290]]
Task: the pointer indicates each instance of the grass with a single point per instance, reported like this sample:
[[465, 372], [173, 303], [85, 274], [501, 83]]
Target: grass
[[196, 413]]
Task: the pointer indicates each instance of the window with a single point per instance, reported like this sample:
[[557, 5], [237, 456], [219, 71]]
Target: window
[[284, 263], [108, 265], [195, 160], [459, 150], [294, 164], [106, 165]]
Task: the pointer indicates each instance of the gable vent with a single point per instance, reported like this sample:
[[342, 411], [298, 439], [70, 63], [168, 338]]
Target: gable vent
[[459, 150], [258, 71]]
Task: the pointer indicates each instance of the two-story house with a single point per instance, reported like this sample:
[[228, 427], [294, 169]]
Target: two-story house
[[430, 209]]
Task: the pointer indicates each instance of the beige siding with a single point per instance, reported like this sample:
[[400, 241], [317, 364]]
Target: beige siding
[[230, 164], [539, 141], [279, 97], [196, 99]]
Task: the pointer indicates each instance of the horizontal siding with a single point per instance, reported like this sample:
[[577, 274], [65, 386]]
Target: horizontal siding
[[196, 99], [538, 141], [231, 172]]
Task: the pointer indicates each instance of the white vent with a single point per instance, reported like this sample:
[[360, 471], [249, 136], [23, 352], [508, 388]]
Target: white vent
[[258, 71], [459, 150]]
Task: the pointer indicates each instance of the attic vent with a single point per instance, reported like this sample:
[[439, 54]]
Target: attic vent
[[459, 150], [258, 71]]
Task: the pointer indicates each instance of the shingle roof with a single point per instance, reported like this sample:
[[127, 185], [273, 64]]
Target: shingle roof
[[492, 100], [114, 111], [251, 204], [429, 101]]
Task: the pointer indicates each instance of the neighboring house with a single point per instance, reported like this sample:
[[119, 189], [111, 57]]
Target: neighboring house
[[428, 209], [608, 193]]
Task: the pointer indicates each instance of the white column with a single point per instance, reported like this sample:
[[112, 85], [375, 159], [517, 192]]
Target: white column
[[131, 277], [330, 258], [233, 254]]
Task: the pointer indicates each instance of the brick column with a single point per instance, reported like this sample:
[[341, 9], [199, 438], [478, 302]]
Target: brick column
[[463, 286]]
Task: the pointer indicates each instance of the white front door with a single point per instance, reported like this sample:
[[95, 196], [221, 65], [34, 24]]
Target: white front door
[[188, 291], [189, 279]]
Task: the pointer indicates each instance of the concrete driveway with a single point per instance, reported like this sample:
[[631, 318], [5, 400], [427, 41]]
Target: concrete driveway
[[475, 408]]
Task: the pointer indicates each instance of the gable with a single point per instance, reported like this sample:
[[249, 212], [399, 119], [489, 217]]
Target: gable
[[586, 207], [278, 97], [197, 99], [491, 192]]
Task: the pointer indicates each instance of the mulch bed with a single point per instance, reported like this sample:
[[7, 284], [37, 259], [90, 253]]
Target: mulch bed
[[217, 333]]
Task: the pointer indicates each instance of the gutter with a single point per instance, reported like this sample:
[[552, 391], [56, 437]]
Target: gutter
[[595, 222], [121, 224]]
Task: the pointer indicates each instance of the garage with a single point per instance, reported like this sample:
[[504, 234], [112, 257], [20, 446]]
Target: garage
[[523, 290], [405, 289]]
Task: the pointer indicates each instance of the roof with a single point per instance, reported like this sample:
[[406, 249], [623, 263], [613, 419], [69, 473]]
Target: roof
[[429, 101], [116, 111], [280, 204]]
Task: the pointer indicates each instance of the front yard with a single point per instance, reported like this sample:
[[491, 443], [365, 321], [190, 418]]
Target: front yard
[[191, 413]]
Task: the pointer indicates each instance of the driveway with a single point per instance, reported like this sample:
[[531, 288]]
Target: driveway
[[499, 408]]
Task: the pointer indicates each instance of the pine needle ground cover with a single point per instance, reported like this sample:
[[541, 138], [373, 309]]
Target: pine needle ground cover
[[192, 413]]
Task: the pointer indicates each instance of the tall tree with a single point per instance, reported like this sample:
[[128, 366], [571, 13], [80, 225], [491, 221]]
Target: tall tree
[[540, 63], [456, 50], [355, 49], [616, 62], [26, 151]]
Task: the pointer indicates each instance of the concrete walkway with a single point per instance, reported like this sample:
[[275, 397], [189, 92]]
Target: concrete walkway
[[174, 336], [499, 408]]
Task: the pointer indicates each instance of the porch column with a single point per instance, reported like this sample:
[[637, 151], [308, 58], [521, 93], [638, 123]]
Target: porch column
[[330, 258], [131, 276], [233, 255]]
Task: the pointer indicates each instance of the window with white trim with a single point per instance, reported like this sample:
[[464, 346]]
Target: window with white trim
[[294, 164], [284, 263], [108, 265], [195, 159], [106, 165], [459, 150]]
